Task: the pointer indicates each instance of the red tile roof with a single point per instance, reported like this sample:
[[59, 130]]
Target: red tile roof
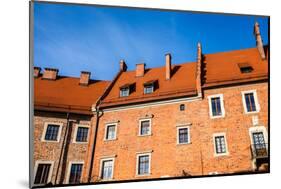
[[182, 83], [65, 94], [223, 68], [218, 69]]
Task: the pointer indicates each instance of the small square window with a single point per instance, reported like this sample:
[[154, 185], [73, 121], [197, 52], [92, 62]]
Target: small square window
[[106, 169], [182, 107], [145, 127], [124, 92], [110, 133], [220, 144], [75, 173], [245, 68], [183, 135], [82, 134], [42, 173], [143, 164], [216, 107], [52, 132], [148, 89]]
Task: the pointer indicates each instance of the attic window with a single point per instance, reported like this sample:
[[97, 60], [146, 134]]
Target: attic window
[[245, 68], [148, 87], [125, 90]]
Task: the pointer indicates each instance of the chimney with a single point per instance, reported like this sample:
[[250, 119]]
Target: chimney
[[259, 40], [84, 78], [123, 66], [140, 70], [50, 73], [168, 66], [36, 71]]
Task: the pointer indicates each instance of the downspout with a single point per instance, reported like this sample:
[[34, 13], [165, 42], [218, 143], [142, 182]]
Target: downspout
[[94, 142], [62, 146]]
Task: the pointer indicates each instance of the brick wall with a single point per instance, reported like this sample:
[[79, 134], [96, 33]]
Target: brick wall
[[169, 158], [51, 151]]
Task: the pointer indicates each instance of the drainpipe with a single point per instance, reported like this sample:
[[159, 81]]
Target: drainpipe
[[95, 140], [62, 146]]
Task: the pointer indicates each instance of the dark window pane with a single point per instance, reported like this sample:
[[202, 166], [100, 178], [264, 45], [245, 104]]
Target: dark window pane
[[216, 106], [183, 135], [220, 144], [182, 107], [148, 89], [145, 127], [124, 92], [143, 167], [75, 173], [52, 132], [82, 134], [107, 167], [250, 102], [110, 134], [42, 174]]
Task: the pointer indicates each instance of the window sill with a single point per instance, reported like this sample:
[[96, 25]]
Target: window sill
[[221, 155], [144, 175], [108, 140], [182, 144], [78, 142], [217, 117], [144, 135], [250, 113], [50, 141]]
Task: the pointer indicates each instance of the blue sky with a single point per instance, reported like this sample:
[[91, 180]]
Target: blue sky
[[76, 38]]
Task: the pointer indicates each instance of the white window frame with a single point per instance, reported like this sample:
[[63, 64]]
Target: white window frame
[[120, 92], [148, 85], [50, 171], [75, 134], [137, 163], [221, 103], [110, 158], [188, 134], [150, 127], [255, 98], [45, 130], [258, 129], [105, 133], [69, 168], [226, 145]]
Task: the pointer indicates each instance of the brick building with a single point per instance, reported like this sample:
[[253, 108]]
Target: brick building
[[189, 119]]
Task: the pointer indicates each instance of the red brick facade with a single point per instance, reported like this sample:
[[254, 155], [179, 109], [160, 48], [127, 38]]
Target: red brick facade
[[185, 97]]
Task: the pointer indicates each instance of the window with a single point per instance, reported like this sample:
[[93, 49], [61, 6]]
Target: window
[[143, 164], [82, 133], [145, 127], [148, 88], [124, 91], [250, 101], [51, 132], [107, 166], [220, 144], [43, 173], [259, 138], [182, 107], [183, 135], [245, 68], [75, 173], [110, 132], [216, 106]]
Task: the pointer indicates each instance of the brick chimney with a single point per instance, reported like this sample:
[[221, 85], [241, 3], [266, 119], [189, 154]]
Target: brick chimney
[[50, 73], [36, 71], [123, 66], [259, 43], [140, 69], [168, 66], [84, 78]]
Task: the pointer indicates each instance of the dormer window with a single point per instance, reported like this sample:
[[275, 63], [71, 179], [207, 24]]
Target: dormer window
[[245, 68], [149, 86], [124, 91]]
